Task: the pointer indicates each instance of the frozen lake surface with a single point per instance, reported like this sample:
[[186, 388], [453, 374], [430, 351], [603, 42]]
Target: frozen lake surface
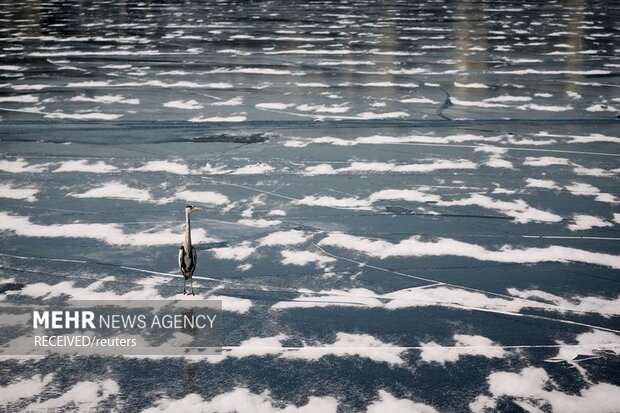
[[420, 199]]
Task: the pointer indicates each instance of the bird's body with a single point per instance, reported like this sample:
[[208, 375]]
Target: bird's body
[[188, 258], [187, 262]]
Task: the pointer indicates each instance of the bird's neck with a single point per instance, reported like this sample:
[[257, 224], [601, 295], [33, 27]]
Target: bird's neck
[[187, 243]]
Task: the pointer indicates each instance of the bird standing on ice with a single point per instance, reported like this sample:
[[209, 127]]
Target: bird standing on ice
[[187, 253]]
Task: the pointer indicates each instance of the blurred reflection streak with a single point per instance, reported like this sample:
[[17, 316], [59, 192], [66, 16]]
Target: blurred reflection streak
[[574, 60], [470, 31]]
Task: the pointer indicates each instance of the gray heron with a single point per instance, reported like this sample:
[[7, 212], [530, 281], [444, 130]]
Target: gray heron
[[188, 258]]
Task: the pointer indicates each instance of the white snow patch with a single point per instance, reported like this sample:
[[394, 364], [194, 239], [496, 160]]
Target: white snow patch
[[464, 345], [393, 140], [601, 107], [311, 84], [19, 165], [184, 104], [237, 253], [292, 237], [302, 258], [545, 161], [115, 190], [241, 400], [471, 85], [232, 304], [491, 149], [363, 167], [106, 99], [410, 195], [345, 345], [419, 100], [509, 98], [388, 403], [111, 234], [553, 72], [24, 388], [415, 247], [591, 341], [277, 213], [82, 116], [323, 108], [83, 396], [382, 84], [232, 118], [9, 191], [343, 298], [495, 159], [582, 222], [460, 102], [580, 188], [497, 162], [517, 209], [19, 99], [202, 197], [83, 165], [531, 391], [601, 305], [453, 298], [346, 63], [594, 137], [600, 172], [545, 108], [275, 106], [236, 101], [389, 115], [12, 68], [164, 166], [541, 183], [214, 170]]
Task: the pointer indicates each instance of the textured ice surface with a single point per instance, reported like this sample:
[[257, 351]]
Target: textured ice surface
[[407, 206]]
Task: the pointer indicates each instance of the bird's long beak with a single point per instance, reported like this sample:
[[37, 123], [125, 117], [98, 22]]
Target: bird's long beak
[[196, 209]]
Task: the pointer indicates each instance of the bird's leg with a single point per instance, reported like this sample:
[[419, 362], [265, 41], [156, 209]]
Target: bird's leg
[[191, 280], [184, 282]]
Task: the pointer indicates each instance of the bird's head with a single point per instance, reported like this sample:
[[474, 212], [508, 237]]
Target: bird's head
[[191, 208]]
